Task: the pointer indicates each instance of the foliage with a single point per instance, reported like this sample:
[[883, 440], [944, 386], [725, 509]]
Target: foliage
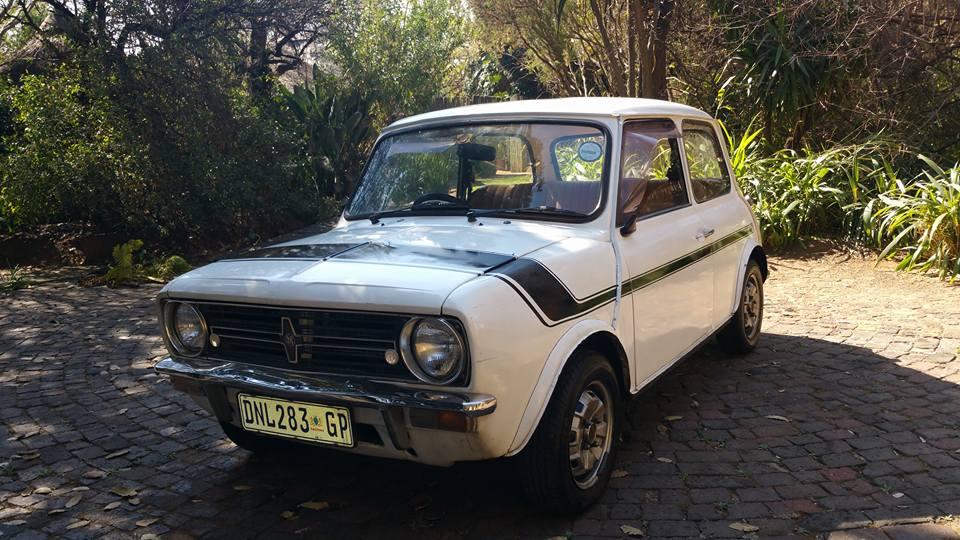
[[921, 220], [168, 268], [797, 194], [336, 126], [397, 52], [14, 280], [123, 271]]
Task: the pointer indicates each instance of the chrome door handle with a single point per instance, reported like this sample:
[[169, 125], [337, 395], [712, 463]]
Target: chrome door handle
[[705, 233]]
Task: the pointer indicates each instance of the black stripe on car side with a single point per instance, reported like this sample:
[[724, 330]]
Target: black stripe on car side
[[544, 293], [301, 251]]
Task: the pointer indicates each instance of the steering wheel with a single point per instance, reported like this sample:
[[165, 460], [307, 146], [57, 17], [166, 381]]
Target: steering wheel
[[437, 197]]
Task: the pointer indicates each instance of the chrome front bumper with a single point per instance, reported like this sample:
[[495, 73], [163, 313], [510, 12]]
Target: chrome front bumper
[[325, 387]]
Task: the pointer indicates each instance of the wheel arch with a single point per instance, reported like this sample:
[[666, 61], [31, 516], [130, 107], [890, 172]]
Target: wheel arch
[[585, 335], [752, 251]]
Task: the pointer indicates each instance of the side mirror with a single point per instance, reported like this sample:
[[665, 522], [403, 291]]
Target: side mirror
[[629, 226]]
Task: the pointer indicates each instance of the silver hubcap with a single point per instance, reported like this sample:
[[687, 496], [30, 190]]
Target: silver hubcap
[[590, 434], [751, 306]]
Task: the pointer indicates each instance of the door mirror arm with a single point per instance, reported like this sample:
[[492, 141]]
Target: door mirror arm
[[629, 226]]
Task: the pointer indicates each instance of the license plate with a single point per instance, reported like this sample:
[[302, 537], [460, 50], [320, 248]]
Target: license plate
[[296, 420]]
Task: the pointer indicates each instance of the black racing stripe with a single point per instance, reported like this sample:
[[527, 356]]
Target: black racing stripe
[[549, 293], [301, 251], [426, 256], [536, 284]]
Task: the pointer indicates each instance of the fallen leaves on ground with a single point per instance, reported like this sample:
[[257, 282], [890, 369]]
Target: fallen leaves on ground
[[117, 454], [631, 531], [125, 492], [673, 418], [664, 460], [147, 522], [78, 524], [287, 514], [111, 506], [618, 473], [315, 505], [744, 527], [94, 474], [73, 501], [778, 417]]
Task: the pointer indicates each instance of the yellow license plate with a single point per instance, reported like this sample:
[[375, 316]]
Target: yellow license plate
[[296, 420]]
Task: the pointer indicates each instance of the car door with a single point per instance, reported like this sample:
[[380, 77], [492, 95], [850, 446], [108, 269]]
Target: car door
[[665, 275], [725, 218]]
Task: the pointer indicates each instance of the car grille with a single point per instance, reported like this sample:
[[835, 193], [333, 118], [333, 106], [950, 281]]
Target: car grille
[[336, 342]]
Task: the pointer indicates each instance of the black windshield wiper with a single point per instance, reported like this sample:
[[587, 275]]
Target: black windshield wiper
[[473, 214], [547, 210], [375, 218]]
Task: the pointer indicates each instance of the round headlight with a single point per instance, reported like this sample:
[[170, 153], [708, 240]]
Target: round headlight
[[186, 328], [437, 350]]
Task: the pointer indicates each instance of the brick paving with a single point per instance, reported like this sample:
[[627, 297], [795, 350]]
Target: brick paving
[[843, 425]]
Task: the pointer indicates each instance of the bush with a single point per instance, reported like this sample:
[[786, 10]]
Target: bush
[[186, 162], [797, 194], [919, 222]]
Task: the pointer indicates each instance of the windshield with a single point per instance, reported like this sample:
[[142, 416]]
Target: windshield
[[551, 169]]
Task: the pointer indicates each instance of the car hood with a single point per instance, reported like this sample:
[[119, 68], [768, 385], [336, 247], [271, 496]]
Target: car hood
[[390, 267]]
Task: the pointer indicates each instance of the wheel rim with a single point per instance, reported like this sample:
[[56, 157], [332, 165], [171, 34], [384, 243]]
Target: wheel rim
[[590, 434], [752, 306]]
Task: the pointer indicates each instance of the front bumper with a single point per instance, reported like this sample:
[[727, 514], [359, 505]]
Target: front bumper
[[401, 422]]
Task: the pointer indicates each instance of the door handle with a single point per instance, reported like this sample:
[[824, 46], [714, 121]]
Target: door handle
[[705, 233]]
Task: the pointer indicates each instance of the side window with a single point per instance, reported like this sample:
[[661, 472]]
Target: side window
[[709, 177], [651, 175]]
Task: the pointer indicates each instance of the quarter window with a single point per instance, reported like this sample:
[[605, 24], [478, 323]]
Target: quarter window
[[651, 175], [709, 177]]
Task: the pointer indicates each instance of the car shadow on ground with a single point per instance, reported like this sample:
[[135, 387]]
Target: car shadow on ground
[[801, 437]]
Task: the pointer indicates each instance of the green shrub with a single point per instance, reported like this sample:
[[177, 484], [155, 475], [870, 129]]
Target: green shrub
[[14, 280], [123, 271], [796, 194], [919, 222], [169, 268]]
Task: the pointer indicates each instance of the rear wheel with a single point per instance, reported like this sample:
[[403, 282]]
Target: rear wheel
[[742, 333], [566, 465]]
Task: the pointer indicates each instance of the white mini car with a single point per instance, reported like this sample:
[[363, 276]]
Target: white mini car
[[502, 278]]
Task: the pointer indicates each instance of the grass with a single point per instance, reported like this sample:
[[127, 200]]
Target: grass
[[15, 279]]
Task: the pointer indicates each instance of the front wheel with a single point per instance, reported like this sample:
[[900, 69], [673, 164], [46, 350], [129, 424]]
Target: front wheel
[[566, 465], [742, 333]]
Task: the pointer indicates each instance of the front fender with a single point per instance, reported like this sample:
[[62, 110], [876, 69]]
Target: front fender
[[550, 374]]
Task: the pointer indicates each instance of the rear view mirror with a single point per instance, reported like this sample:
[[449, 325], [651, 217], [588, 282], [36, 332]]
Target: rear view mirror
[[476, 152]]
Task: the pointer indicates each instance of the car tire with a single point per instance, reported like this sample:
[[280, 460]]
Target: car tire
[[258, 444], [742, 333], [550, 477]]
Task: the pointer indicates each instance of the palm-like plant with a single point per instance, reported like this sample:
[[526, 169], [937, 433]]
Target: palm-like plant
[[922, 221], [336, 126]]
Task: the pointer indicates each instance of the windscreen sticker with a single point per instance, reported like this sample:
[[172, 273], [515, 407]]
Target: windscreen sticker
[[590, 151]]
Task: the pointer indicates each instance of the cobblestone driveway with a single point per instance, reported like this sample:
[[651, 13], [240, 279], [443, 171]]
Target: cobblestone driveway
[[845, 420]]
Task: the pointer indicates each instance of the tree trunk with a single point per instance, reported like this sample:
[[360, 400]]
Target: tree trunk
[[258, 62]]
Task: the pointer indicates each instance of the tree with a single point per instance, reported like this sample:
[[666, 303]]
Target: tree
[[589, 47]]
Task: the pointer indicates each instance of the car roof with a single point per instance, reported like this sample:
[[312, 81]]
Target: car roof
[[574, 107]]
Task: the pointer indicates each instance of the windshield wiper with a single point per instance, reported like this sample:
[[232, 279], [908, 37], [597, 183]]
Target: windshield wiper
[[426, 205], [547, 210], [473, 214]]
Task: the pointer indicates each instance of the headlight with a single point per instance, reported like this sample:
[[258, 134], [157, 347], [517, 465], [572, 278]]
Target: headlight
[[433, 350], [185, 328]]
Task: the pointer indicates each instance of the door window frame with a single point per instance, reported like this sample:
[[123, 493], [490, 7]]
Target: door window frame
[[683, 166]]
